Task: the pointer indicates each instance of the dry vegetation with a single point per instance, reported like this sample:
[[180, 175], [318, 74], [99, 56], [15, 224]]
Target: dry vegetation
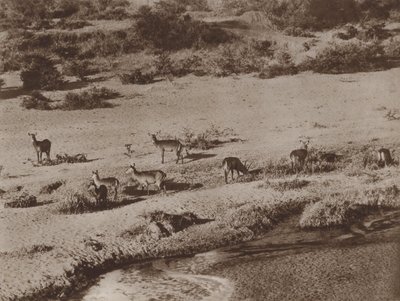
[[59, 48]]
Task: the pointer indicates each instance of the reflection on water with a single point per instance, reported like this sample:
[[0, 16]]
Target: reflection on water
[[187, 279]]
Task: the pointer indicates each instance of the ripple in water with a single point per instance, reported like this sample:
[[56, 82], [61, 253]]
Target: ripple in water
[[148, 282]]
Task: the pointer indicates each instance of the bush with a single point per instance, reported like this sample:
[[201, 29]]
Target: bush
[[347, 58], [206, 139], [275, 70], [392, 48], [79, 68], [2, 83], [89, 99], [48, 189], [333, 211], [278, 169], [165, 27], [23, 201], [71, 24], [373, 31], [136, 77], [77, 203], [289, 185], [36, 101], [39, 72], [234, 59], [297, 32], [350, 32], [311, 14], [24, 13]]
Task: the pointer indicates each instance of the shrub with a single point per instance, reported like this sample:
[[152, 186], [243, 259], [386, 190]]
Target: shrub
[[275, 70], [392, 48], [25, 200], [234, 59], [261, 215], [39, 72], [23, 13], [66, 8], [311, 14], [297, 32], [346, 58], [71, 24], [206, 139], [89, 99], [136, 77], [2, 83], [350, 32], [77, 203], [164, 27], [36, 101], [79, 68], [48, 189], [289, 185], [373, 31], [278, 169], [333, 211]]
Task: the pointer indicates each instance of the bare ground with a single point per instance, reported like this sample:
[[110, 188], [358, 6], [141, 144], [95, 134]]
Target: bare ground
[[43, 252]]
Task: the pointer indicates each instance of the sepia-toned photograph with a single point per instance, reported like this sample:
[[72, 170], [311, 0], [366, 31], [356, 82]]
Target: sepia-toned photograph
[[199, 150]]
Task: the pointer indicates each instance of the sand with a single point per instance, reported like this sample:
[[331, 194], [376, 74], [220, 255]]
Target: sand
[[43, 252]]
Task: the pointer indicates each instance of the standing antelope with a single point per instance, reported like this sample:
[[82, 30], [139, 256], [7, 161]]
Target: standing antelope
[[100, 193], [41, 147], [171, 146], [230, 164], [111, 182], [146, 178], [298, 156], [384, 156]]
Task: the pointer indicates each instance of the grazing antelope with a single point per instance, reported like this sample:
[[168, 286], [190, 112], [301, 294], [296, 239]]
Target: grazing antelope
[[298, 156], [111, 181], [146, 178], [41, 147], [171, 146], [384, 156], [100, 193], [230, 164]]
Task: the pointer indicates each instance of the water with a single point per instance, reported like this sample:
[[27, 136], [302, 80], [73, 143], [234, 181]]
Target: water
[[190, 278]]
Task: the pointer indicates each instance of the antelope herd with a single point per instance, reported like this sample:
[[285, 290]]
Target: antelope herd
[[100, 186]]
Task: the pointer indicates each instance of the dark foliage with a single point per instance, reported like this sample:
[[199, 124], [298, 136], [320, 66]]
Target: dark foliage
[[39, 72], [136, 77], [36, 101], [89, 99]]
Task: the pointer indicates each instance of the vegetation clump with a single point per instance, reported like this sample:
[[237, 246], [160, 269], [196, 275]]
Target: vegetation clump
[[39, 72], [77, 203], [25, 200], [347, 58], [89, 99], [36, 101], [136, 77]]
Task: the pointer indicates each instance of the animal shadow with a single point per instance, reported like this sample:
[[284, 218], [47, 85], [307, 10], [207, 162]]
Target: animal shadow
[[198, 156], [176, 186], [137, 192]]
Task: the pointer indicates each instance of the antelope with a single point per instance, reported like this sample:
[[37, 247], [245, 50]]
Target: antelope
[[384, 156], [111, 182], [146, 178], [298, 156], [230, 164], [171, 146], [100, 193], [41, 147]]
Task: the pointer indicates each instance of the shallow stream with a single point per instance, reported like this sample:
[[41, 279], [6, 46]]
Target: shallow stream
[[192, 278]]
